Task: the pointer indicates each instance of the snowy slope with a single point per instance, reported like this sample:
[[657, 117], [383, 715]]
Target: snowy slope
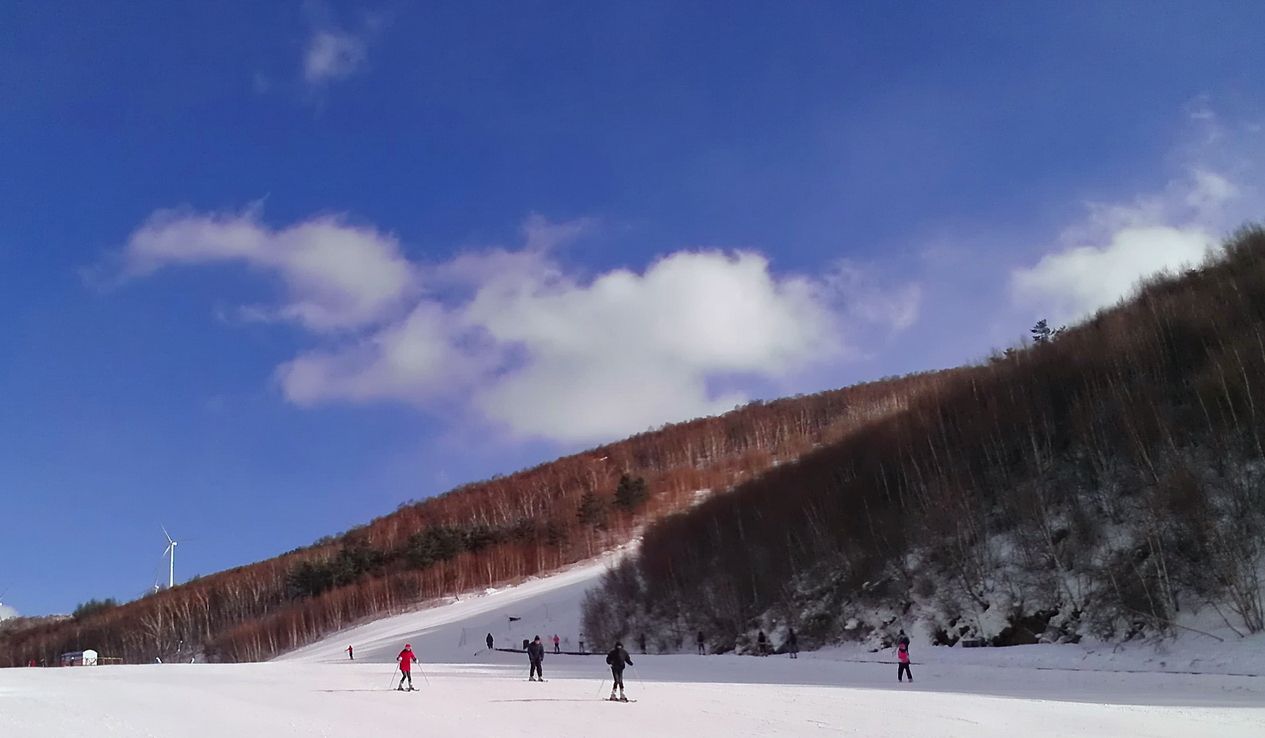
[[455, 632], [466, 691]]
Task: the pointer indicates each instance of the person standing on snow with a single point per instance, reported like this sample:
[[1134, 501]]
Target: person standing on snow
[[902, 656], [792, 643], [489, 641], [557, 648], [763, 643], [702, 644], [618, 658], [350, 655], [406, 659], [536, 655]]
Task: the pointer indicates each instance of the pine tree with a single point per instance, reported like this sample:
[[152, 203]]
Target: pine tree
[[631, 492], [592, 510], [1043, 333]]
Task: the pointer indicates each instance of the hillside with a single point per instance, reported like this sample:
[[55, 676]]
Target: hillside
[[1105, 483], [466, 690], [479, 535]]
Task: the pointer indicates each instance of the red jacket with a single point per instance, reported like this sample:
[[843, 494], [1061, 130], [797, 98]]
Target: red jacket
[[406, 659]]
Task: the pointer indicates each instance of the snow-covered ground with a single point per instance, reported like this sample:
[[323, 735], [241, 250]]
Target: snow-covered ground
[[468, 691]]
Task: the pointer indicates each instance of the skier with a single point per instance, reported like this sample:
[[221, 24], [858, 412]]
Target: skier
[[641, 643], [617, 658], [536, 655], [557, 648], [702, 644], [792, 643], [489, 641], [581, 643], [406, 659], [902, 655], [350, 655], [764, 644]]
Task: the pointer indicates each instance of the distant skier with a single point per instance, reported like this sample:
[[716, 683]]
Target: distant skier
[[618, 658], [581, 643], [557, 647], [902, 656], [641, 643], [702, 644], [350, 654], [763, 642], [536, 655], [489, 641], [792, 643], [406, 659]]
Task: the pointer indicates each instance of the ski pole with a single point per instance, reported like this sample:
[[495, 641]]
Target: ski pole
[[419, 668], [600, 687]]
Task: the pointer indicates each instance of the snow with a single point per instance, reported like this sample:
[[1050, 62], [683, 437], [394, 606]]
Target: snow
[[545, 606], [1033, 691]]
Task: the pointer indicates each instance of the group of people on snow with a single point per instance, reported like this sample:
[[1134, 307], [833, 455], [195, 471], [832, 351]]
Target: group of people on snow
[[617, 658], [557, 643]]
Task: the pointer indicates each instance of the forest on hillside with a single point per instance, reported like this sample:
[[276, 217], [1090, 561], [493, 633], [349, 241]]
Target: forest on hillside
[[479, 535], [1100, 482]]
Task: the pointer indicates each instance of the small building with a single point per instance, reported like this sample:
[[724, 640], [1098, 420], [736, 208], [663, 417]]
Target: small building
[[87, 657]]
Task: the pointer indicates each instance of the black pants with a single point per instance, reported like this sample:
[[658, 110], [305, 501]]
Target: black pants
[[903, 671], [618, 676], [535, 670], [406, 675], [701, 650]]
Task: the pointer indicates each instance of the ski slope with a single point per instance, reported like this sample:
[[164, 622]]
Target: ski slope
[[455, 632], [466, 690]]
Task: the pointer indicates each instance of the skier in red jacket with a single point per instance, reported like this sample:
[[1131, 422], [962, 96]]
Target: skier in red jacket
[[406, 659]]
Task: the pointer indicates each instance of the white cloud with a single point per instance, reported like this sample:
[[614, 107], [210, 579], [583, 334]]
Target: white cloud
[[1071, 284], [629, 350], [520, 339], [7, 612], [867, 300], [413, 361], [333, 54], [337, 276], [1102, 259]]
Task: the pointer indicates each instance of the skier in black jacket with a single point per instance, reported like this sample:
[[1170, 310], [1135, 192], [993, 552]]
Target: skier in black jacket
[[617, 658], [536, 655]]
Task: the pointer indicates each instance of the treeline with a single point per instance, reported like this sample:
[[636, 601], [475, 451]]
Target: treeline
[[1100, 482], [478, 535]]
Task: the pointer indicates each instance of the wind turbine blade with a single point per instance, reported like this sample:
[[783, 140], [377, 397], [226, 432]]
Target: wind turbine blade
[[165, 533], [168, 549]]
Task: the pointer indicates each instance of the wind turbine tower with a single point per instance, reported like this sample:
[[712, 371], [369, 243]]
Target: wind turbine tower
[[171, 554]]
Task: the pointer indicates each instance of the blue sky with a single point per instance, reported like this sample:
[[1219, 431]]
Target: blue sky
[[268, 270]]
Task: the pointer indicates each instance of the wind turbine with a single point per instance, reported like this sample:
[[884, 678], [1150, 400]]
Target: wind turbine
[[171, 554]]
